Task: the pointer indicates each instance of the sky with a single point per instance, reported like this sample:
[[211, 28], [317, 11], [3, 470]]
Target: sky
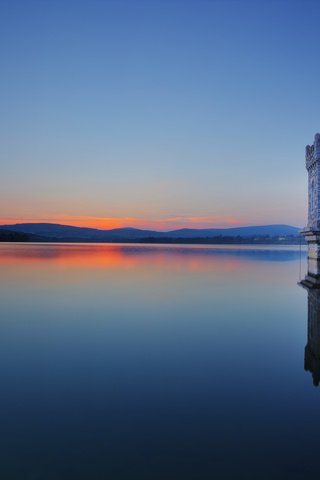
[[157, 114]]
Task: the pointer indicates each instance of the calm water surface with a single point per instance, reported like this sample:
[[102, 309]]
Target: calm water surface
[[155, 362]]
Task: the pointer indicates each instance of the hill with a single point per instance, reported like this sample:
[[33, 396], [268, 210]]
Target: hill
[[11, 236], [67, 233], [263, 230]]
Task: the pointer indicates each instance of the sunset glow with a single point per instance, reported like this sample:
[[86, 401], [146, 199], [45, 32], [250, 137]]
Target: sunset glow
[[151, 130], [163, 224], [159, 214]]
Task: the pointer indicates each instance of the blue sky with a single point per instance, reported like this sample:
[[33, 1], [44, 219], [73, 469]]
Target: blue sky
[[158, 113]]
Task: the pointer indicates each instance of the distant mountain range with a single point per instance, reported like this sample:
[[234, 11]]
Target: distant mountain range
[[66, 233]]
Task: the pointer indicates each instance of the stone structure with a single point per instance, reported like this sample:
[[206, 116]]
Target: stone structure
[[312, 280], [312, 231]]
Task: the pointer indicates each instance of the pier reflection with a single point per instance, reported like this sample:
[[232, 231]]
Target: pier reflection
[[312, 350]]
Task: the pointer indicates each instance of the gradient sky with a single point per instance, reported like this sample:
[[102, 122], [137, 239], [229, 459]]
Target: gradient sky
[[157, 114]]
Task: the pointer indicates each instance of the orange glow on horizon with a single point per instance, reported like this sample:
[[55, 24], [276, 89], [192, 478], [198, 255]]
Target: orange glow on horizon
[[108, 223]]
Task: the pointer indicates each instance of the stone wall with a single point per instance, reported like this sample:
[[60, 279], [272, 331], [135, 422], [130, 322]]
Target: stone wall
[[313, 168]]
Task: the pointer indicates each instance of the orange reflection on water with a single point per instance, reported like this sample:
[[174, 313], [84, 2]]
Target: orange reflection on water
[[116, 256], [67, 255], [60, 264]]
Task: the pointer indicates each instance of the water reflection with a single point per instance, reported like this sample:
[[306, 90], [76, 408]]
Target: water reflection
[[311, 283], [122, 254], [130, 361], [312, 350]]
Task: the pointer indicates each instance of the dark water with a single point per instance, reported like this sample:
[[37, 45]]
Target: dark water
[[138, 362]]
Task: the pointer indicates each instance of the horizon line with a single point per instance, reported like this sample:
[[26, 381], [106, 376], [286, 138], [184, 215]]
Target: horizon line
[[150, 229]]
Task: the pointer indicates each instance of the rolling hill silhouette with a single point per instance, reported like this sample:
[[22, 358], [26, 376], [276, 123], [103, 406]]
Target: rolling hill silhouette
[[68, 233]]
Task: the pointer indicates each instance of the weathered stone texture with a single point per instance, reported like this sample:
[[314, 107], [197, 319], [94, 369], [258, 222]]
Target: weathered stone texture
[[312, 280], [312, 232]]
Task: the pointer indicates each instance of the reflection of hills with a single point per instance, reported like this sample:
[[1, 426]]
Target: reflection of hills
[[90, 251]]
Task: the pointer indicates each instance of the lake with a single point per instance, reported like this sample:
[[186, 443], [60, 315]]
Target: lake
[[156, 362]]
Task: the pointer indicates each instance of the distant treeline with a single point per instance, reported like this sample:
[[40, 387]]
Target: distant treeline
[[223, 240], [9, 236]]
